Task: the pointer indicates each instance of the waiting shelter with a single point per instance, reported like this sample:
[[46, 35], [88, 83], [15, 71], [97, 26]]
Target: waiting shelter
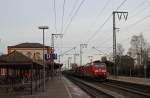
[[17, 71]]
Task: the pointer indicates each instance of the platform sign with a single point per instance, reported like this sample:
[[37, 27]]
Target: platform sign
[[47, 56], [51, 56], [54, 56]]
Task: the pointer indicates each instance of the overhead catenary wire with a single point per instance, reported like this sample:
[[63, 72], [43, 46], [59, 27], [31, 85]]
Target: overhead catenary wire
[[99, 14], [75, 13], [145, 33], [141, 11], [134, 24], [70, 14], [135, 11], [129, 38], [101, 26], [68, 51], [54, 8], [72, 10], [105, 41], [95, 33], [101, 11], [107, 19], [138, 21], [120, 5], [62, 23]]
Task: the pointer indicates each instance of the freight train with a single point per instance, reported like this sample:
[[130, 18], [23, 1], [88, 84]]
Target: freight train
[[96, 70]]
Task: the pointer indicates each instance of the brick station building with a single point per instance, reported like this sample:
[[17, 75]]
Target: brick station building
[[23, 66], [34, 51], [31, 50]]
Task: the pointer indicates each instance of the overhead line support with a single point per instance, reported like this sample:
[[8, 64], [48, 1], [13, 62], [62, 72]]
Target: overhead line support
[[120, 15]]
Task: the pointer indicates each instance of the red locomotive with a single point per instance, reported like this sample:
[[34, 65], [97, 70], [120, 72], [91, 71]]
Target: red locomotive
[[96, 69]]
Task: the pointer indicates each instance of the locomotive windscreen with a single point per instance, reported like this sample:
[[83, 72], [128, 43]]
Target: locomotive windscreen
[[97, 65]]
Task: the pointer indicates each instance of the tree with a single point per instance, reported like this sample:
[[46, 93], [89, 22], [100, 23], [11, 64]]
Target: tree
[[138, 48], [110, 57], [104, 59], [120, 49]]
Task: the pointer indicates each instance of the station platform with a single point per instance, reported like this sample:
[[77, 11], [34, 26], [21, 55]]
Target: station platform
[[59, 87], [143, 81]]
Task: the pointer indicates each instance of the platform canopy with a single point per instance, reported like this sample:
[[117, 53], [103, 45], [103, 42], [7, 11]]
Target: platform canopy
[[16, 59]]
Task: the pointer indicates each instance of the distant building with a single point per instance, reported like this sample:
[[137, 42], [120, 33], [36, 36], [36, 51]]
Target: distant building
[[31, 50], [73, 65], [125, 61]]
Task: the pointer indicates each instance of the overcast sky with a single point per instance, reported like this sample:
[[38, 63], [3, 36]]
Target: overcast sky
[[19, 21]]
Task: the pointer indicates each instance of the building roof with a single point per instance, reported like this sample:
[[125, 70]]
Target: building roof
[[16, 57], [17, 60], [28, 45]]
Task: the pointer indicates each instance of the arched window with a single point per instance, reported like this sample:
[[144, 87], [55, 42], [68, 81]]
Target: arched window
[[37, 56], [29, 54]]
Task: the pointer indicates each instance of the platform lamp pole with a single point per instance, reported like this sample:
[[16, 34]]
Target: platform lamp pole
[[43, 28]]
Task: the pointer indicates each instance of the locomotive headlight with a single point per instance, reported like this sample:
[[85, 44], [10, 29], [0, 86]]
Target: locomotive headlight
[[103, 70], [96, 71]]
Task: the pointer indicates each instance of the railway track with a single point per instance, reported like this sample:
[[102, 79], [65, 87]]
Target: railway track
[[112, 89], [129, 90], [138, 89], [94, 90]]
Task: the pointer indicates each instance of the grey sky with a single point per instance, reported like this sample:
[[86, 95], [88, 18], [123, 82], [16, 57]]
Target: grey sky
[[19, 21]]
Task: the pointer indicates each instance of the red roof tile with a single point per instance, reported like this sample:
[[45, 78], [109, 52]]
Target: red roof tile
[[28, 45]]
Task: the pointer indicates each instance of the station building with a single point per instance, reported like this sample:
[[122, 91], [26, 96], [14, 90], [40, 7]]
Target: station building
[[32, 51]]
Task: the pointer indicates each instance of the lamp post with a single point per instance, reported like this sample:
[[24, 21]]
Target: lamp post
[[43, 28]]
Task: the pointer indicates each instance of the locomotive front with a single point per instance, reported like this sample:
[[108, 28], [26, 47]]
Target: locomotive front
[[100, 70]]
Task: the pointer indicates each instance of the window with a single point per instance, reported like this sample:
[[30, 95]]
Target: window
[[97, 65], [29, 54], [37, 56]]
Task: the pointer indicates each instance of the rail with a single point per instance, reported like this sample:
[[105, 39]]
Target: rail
[[94, 90]]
